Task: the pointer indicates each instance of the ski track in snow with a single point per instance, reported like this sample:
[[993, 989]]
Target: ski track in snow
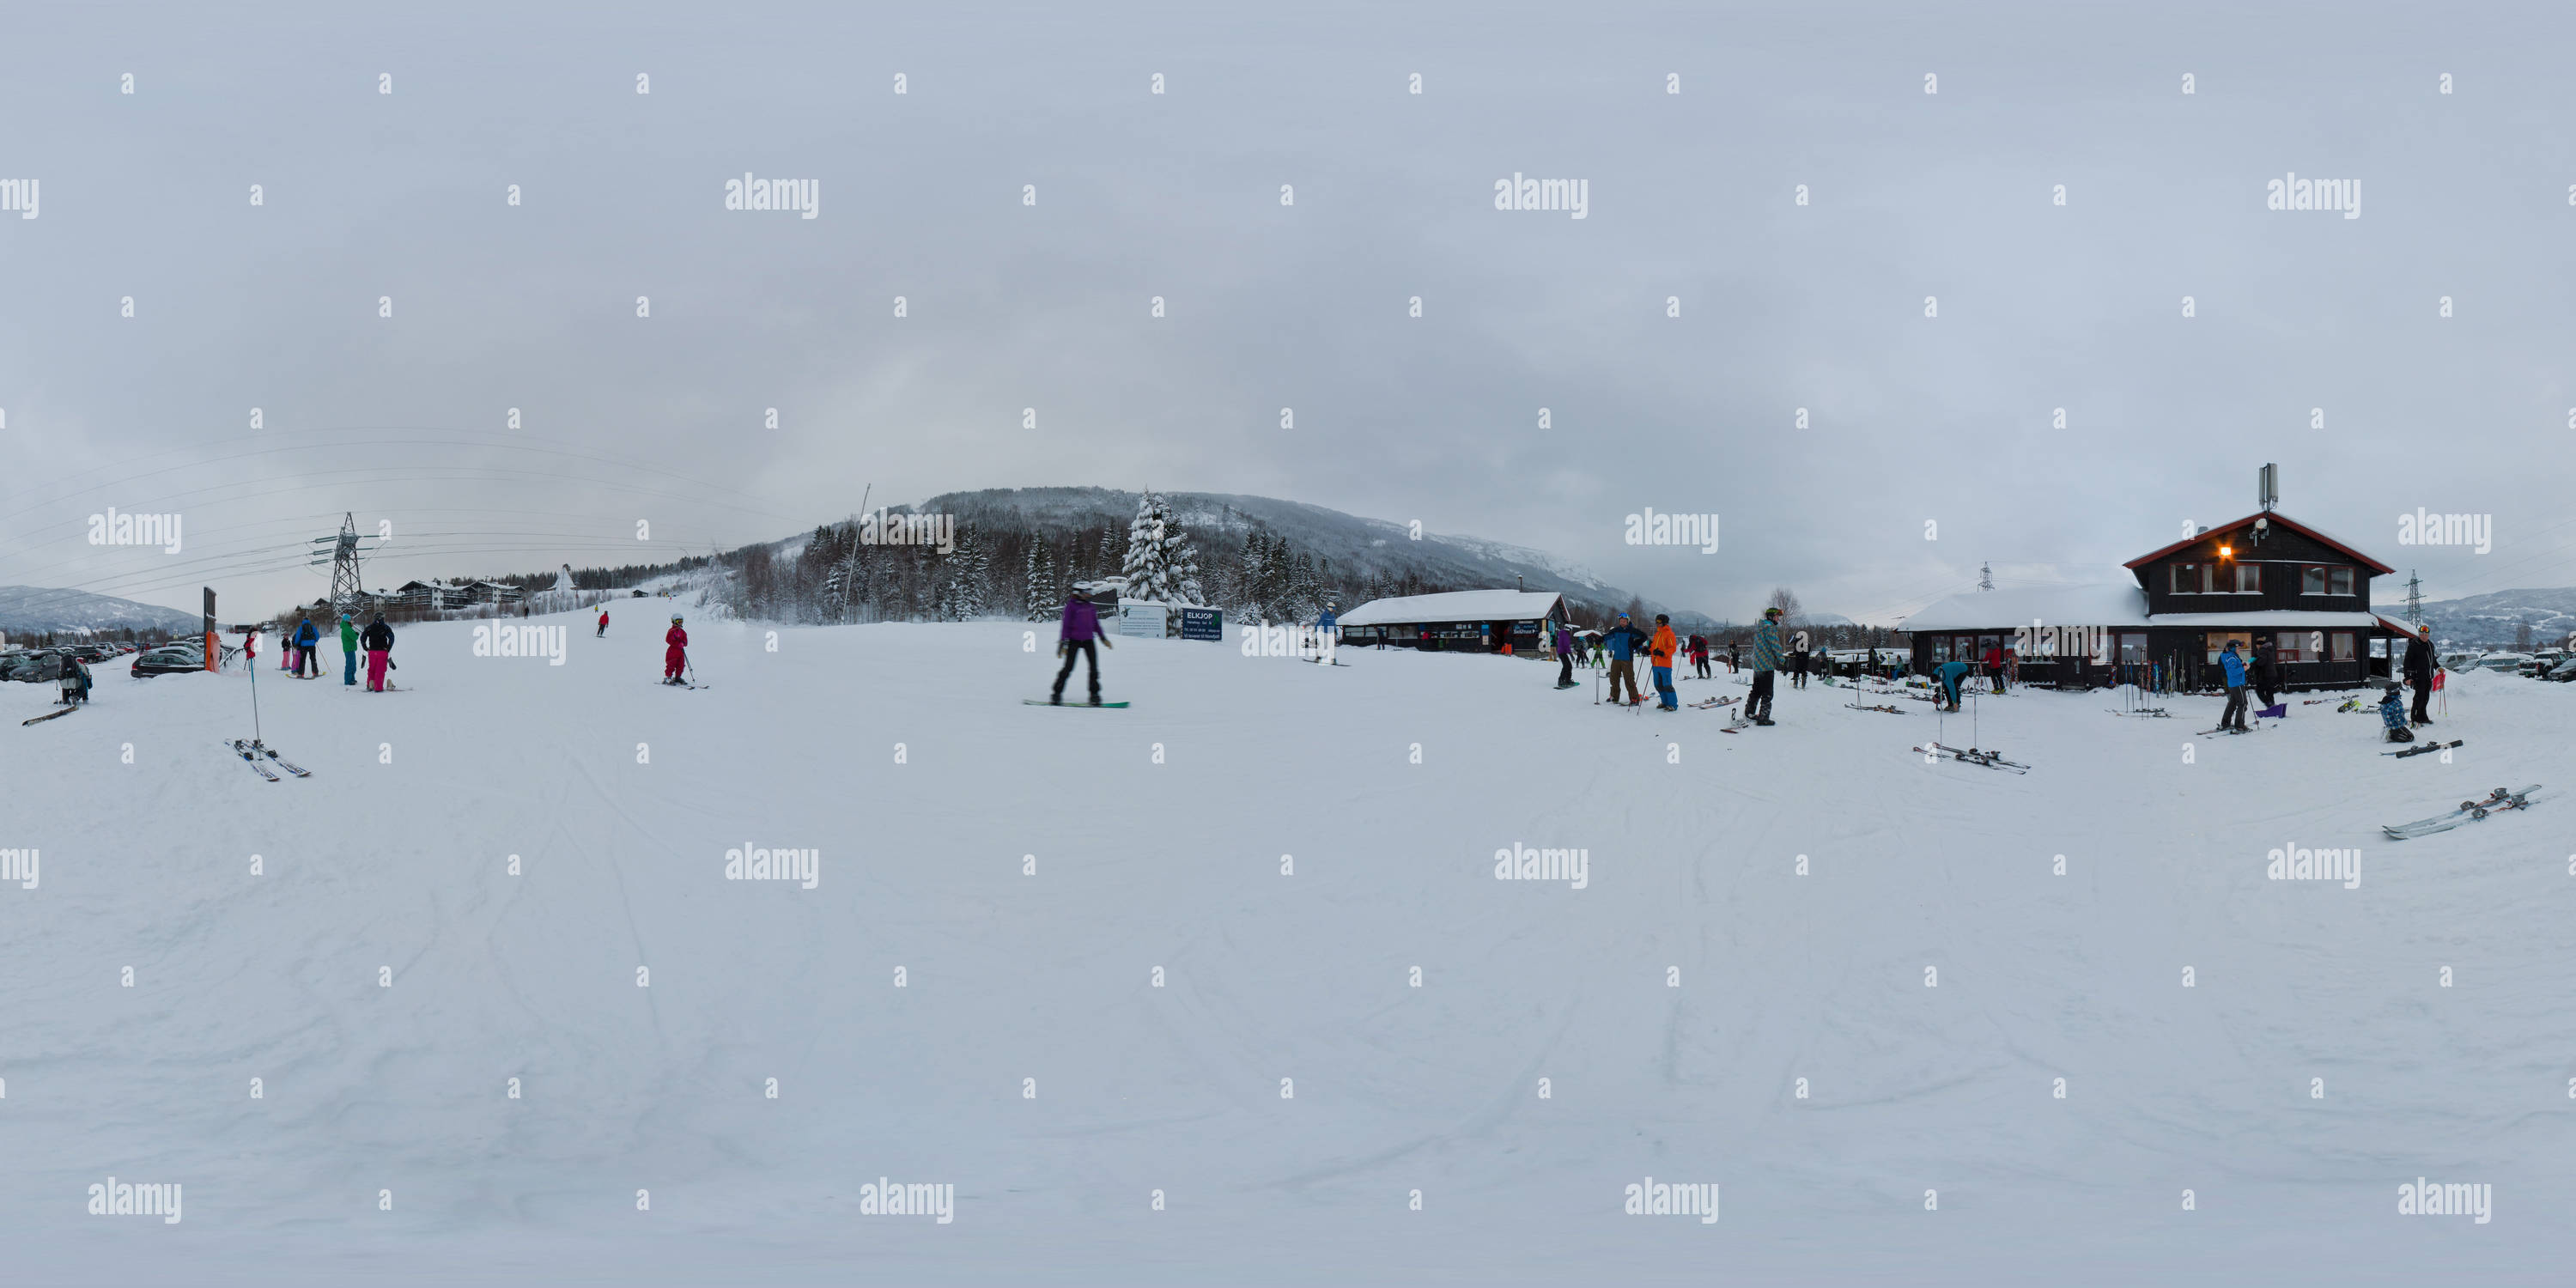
[[1304, 976]]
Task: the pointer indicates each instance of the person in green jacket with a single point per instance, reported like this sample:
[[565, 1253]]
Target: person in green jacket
[[348, 651]]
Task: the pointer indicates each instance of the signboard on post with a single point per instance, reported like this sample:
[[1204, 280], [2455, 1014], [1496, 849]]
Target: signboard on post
[[1202, 624], [1145, 621]]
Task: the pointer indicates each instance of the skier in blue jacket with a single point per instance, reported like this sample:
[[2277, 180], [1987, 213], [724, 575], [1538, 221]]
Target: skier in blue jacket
[[1623, 641], [305, 638], [2234, 664]]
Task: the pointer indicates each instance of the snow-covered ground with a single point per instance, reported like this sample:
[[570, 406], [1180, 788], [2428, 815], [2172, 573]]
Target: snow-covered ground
[[1030, 1061]]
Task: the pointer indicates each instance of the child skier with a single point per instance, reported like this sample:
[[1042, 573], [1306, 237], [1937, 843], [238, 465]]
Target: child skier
[[676, 657], [2392, 713]]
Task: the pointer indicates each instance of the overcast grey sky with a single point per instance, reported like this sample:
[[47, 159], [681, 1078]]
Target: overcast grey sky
[[367, 195]]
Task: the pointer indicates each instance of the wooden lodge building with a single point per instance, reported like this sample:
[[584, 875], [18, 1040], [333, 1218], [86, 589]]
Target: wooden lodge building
[[2265, 577], [1458, 621]]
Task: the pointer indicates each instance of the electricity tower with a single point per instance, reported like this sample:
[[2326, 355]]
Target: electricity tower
[[342, 554]]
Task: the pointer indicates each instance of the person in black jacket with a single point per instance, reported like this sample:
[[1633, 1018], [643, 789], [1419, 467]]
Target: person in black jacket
[[2267, 669], [378, 640], [2419, 672]]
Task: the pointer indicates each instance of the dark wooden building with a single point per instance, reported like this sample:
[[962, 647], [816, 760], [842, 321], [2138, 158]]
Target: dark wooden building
[[2265, 578]]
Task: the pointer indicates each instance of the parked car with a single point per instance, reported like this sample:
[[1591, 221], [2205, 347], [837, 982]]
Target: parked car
[[2509, 663], [168, 661], [2563, 672], [40, 666]]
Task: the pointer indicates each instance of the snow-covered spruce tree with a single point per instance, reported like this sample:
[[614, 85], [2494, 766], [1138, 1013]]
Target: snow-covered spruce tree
[[1041, 600], [1160, 566]]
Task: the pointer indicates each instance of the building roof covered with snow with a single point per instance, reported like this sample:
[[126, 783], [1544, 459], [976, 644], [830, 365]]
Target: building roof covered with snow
[[2105, 604], [1459, 606]]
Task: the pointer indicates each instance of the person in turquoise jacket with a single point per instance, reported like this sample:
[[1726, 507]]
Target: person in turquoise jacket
[[1766, 661]]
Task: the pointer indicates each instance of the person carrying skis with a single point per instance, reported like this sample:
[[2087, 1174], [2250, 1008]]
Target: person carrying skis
[[1564, 656], [603, 623], [378, 639], [675, 657], [2392, 716], [74, 679], [348, 651], [305, 638], [2419, 673], [1077, 634], [1766, 661], [1623, 640], [1660, 651], [2234, 665]]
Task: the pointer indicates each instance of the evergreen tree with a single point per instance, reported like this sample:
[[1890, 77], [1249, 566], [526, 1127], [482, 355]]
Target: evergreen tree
[[1042, 601], [1246, 598], [1160, 566]]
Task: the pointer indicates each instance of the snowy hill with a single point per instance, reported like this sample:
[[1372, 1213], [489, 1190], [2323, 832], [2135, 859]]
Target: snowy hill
[[30, 610], [1284, 862], [1217, 523], [2491, 620]]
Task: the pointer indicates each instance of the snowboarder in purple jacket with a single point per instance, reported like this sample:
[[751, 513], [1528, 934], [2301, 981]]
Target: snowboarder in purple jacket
[[1076, 638]]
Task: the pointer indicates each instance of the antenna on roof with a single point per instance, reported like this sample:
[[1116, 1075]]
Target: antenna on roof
[[1985, 576], [2268, 484]]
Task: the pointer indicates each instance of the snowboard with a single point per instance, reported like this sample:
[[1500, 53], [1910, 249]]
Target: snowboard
[[1041, 702]]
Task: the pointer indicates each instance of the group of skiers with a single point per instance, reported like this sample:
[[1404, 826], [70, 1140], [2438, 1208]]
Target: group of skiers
[[1663, 650], [300, 656]]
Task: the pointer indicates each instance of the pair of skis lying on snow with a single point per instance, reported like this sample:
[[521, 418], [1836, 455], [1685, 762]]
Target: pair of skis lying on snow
[[1973, 756], [2468, 812], [251, 750]]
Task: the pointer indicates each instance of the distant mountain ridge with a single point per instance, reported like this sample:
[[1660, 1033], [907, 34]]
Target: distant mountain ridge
[[36, 610], [2492, 619]]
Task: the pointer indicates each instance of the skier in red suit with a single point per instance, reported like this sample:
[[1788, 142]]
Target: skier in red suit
[[676, 657]]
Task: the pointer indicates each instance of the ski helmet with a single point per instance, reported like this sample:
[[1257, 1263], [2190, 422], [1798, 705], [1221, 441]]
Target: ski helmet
[[675, 617]]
